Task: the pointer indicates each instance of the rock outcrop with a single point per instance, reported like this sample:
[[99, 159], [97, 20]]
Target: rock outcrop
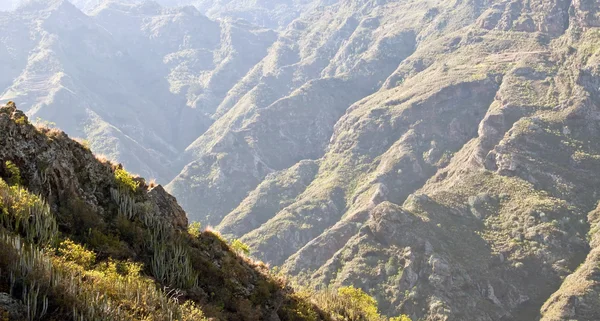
[[168, 207], [66, 173], [11, 309], [120, 217]]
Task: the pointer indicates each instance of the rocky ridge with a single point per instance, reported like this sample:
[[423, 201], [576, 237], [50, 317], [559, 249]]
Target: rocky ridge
[[85, 194]]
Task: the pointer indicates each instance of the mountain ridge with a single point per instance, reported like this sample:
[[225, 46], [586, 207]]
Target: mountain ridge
[[366, 143]]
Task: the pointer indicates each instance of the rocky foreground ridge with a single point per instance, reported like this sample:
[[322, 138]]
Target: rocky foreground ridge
[[126, 251]]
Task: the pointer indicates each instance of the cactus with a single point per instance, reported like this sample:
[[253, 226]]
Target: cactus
[[27, 227], [37, 305], [171, 265], [125, 203], [39, 276], [27, 214]]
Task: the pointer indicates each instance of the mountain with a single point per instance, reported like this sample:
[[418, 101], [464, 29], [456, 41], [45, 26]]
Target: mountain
[[440, 155], [285, 109], [456, 181], [276, 14], [270, 14], [82, 239], [138, 96]]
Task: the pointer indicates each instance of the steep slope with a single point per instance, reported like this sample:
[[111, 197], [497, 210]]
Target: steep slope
[[284, 110], [493, 234], [459, 190], [577, 297], [272, 14], [439, 155]]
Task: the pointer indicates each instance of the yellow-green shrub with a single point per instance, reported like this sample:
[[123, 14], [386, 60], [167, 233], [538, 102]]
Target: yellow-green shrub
[[76, 253], [240, 247], [112, 290], [195, 229], [347, 304], [14, 172], [125, 180], [26, 214], [359, 300]]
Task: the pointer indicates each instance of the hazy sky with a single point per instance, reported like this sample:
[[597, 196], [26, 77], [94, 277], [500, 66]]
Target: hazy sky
[[87, 4], [7, 4]]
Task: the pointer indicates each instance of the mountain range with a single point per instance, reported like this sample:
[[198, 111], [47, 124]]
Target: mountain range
[[440, 155]]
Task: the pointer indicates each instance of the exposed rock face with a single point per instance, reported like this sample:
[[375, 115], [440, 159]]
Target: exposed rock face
[[285, 109], [587, 13], [457, 191], [551, 17], [168, 207], [86, 196], [66, 173], [12, 309], [578, 296], [277, 191]]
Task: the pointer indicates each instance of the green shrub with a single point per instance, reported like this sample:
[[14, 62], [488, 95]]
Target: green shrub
[[106, 244], [21, 120], [26, 214], [71, 251], [113, 290], [14, 172], [240, 247], [347, 303], [195, 229], [360, 300], [300, 308], [125, 181]]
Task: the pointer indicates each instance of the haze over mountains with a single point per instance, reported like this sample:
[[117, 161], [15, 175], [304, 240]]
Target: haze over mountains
[[442, 155]]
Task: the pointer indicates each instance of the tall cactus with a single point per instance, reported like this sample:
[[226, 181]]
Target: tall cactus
[[26, 214]]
